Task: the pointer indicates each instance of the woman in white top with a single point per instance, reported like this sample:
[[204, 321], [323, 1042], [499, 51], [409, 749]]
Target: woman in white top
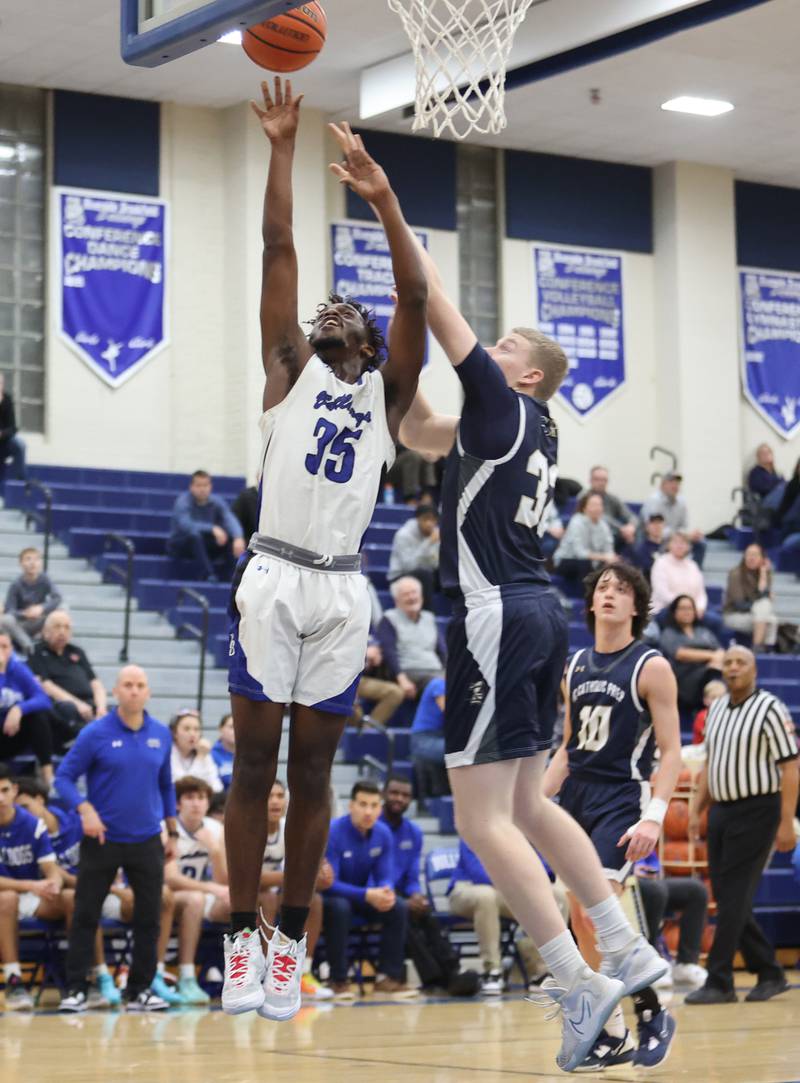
[[190, 754]]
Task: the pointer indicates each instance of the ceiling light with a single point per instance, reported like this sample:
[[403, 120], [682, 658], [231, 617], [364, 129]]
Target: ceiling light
[[699, 107], [233, 37], [7, 152]]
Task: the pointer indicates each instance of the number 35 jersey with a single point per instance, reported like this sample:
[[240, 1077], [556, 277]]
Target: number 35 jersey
[[324, 449], [612, 732]]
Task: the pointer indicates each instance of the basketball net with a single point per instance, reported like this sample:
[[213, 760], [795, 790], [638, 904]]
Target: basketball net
[[461, 50]]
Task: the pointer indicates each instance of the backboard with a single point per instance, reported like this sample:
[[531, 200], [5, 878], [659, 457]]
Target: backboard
[[154, 32]]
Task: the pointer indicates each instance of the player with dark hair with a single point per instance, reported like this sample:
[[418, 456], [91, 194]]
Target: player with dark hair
[[507, 644], [299, 605], [621, 702]]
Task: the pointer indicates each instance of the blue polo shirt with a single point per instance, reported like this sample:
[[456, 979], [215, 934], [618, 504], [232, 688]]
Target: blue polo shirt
[[359, 861], [128, 776], [469, 868], [406, 850], [224, 761], [24, 846], [429, 717]]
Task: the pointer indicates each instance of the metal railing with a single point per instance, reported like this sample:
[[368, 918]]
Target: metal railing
[[126, 575], [369, 723], [45, 518], [200, 634], [658, 449]]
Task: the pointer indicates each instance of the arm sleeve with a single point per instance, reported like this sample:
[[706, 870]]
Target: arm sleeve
[[36, 699], [165, 785], [339, 887], [76, 763], [413, 885], [490, 418], [387, 638], [383, 869]]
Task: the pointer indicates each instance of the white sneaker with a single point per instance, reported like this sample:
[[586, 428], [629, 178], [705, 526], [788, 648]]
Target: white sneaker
[[284, 973], [637, 967], [244, 973], [666, 981], [492, 983], [585, 1008], [689, 974]]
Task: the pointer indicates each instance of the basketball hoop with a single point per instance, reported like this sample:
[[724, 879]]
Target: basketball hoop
[[461, 50]]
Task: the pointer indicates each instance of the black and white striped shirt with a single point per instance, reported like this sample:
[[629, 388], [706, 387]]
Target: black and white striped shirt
[[745, 743]]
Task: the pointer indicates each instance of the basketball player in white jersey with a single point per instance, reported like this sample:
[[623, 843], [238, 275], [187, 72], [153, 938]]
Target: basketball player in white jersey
[[300, 610]]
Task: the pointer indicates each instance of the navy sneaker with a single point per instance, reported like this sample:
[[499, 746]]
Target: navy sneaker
[[609, 1052], [655, 1039]]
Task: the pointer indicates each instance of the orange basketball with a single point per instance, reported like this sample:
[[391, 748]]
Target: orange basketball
[[684, 779], [289, 41], [676, 852], [676, 822]]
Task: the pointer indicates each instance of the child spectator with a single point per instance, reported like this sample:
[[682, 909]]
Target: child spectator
[[223, 749], [189, 756], [713, 690], [32, 595], [24, 712]]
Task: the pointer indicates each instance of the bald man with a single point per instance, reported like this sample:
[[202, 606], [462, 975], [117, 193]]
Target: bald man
[[751, 782], [125, 756]]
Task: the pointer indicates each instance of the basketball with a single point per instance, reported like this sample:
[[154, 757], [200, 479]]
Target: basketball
[[676, 859], [676, 822], [287, 42]]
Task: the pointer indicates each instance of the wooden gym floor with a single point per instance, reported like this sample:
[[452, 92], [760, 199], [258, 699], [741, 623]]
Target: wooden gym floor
[[426, 1042]]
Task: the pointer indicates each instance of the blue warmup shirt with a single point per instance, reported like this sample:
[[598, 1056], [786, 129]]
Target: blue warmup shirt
[[224, 761], [359, 861], [469, 868], [189, 517], [406, 850], [19, 688], [67, 841], [128, 776], [24, 844], [429, 718]]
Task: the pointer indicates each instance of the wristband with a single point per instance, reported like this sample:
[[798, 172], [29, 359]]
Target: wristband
[[656, 810]]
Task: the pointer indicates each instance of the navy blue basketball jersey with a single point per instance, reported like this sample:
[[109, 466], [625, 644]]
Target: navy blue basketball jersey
[[494, 509], [612, 732]]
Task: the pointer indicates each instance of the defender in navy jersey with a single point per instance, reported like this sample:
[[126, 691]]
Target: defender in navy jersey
[[507, 645], [622, 701]]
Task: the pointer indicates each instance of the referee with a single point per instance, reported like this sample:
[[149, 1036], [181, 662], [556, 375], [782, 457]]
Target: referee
[[125, 756], [751, 781]]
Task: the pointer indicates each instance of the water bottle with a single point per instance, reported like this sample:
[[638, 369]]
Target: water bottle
[[388, 494]]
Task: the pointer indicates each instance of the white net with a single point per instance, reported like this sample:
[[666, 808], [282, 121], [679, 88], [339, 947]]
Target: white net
[[461, 50]]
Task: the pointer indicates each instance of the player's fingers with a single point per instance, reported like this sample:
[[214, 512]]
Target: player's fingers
[[267, 96], [278, 90], [351, 139], [360, 144], [342, 174], [259, 112], [341, 138], [287, 92], [297, 100]]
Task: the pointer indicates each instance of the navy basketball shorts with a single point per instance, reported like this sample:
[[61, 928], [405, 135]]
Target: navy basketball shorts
[[605, 810], [506, 649]]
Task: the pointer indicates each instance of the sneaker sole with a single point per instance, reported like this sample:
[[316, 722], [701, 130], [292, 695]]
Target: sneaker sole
[[72, 1011], [582, 1051], [652, 975], [279, 1015], [249, 1004]]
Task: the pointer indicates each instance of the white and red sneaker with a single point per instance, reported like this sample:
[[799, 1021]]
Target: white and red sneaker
[[282, 992], [244, 972]]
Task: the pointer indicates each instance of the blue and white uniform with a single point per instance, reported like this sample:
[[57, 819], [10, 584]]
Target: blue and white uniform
[[24, 848], [610, 750], [507, 641], [193, 857], [300, 609]]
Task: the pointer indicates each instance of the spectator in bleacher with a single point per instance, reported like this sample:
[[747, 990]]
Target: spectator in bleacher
[[245, 511], [431, 952], [667, 501], [427, 743], [30, 884], [617, 513], [411, 640], [787, 515], [205, 530], [216, 807], [553, 530], [360, 854], [764, 480], [415, 551], [12, 446], [32, 595], [198, 879], [713, 690], [693, 651], [125, 757], [223, 749], [667, 895], [588, 540], [747, 606], [189, 756], [386, 695], [412, 474], [271, 887], [24, 712], [473, 896], [675, 572], [67, 677], [643, 553]]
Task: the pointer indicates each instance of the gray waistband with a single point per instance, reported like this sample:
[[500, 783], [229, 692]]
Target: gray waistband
[[305, 558]]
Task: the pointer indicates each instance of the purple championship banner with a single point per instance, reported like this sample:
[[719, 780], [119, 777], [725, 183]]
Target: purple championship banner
[[111, 279], [579, 304], [771, 346]]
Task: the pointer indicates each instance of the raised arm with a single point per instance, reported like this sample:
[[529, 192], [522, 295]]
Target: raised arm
[[449, 327], [426, 432], [407, 344], [284, 347]]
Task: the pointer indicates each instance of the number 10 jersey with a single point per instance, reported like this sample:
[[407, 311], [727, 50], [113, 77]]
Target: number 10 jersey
[[324, 449]]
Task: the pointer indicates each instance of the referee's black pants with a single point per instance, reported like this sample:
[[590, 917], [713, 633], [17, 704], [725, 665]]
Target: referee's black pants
[[143, 865], [740, 838]]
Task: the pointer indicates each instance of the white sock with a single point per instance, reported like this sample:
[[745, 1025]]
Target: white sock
[[562, 957], [307, 965], [100, 969], [12, 970], [186, 971], [613, 929], [615, 1025], [160, 968]]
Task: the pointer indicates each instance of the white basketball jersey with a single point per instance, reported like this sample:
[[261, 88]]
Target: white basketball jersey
[[324, 448], [193, 857]]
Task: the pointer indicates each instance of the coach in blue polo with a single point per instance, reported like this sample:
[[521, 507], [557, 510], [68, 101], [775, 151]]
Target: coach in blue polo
[[125, 757]]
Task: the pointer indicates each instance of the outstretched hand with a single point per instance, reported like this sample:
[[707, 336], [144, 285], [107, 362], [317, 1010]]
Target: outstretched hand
[[280, 113], [359, 171]]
